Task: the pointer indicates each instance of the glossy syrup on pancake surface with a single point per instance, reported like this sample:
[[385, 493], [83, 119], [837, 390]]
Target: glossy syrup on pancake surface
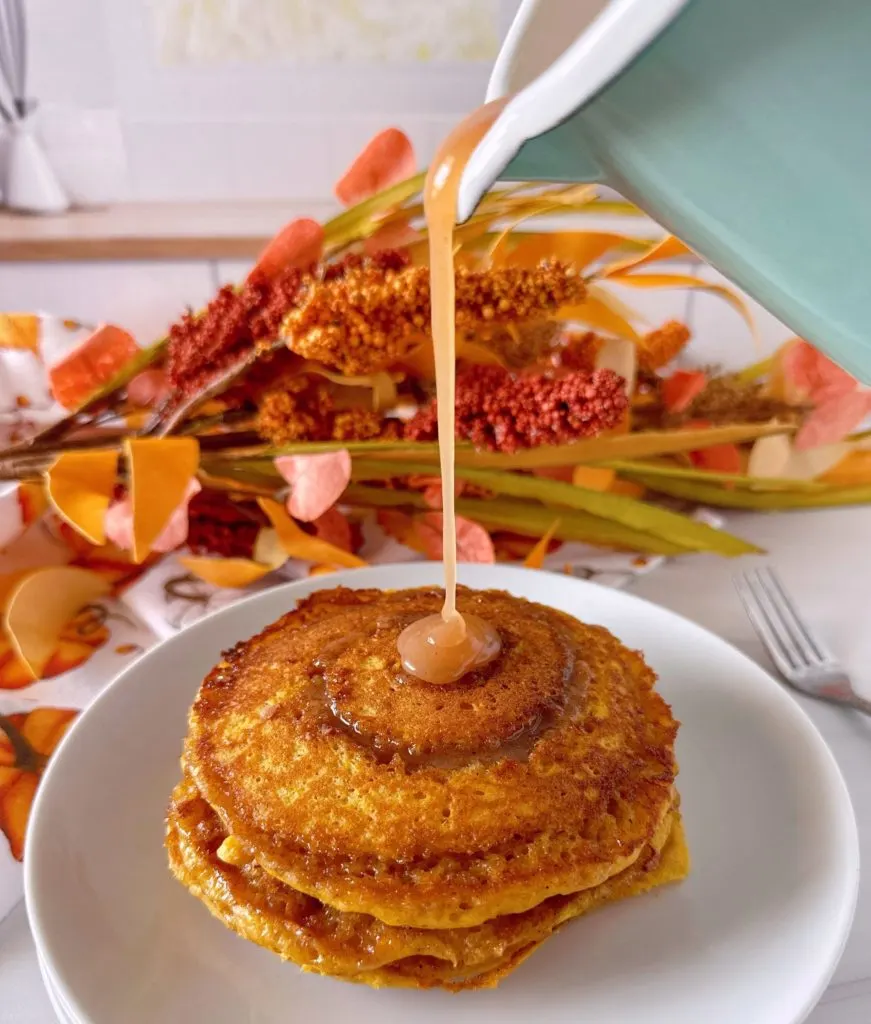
[[545, 772], [360, 947], [481, 717]]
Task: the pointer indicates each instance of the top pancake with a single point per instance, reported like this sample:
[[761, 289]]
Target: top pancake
[[546, 772]]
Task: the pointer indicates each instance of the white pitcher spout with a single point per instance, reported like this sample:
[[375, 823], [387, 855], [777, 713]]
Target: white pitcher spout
[[553, 82]]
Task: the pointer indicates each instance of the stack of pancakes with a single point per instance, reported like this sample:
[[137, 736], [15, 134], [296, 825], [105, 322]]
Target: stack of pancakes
[[370, 826]]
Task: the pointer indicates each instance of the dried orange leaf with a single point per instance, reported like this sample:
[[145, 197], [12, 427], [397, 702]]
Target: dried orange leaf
[[31, 501], [420, 361], [41, 604], [687, 281], [160, 470], [628, 488], [811, 375], [401, 527], [316, 481], [474, 543], [594, 478], [80, 487], [478, 355], [600, 312], [298, 244], [777, 384], [225, 572], [387, 159], [681, 388], [833, 419], [299, 544], [578, 247], [321, 570], [853, 469], [719, 458], [665, 249], [501, 205], [509, 239], [97, 360], [535, 558], [563, 473], [19, 330], [333, 526]]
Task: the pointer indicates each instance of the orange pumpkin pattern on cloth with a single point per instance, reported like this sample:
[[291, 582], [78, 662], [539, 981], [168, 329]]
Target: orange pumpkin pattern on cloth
[[26, 743], [78, 640]]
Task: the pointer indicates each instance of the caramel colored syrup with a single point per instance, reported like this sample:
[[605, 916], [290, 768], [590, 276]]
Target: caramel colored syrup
[[443, 648]]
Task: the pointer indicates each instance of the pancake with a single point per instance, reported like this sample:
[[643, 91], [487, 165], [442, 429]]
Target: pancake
[[433, 807], [358, 947]]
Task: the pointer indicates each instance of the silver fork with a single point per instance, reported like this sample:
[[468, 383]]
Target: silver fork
[[803, 659]]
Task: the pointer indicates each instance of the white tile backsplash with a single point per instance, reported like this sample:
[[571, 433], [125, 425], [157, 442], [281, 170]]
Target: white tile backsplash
[[68, 58], [274, 129], [184, 162]]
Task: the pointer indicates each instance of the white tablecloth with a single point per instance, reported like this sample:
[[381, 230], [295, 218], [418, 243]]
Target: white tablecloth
[[825, 558]]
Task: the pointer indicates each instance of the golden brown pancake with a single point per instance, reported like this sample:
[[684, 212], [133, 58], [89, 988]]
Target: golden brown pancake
[[358, 947], [433, 807]]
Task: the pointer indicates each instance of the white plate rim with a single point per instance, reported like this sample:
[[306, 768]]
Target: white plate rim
[[475, 576]]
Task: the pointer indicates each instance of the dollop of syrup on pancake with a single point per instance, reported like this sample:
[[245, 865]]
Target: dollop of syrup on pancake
[[439, 650], [360, 686]]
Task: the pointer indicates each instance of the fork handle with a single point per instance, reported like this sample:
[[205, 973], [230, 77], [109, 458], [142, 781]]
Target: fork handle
[[858, 703]]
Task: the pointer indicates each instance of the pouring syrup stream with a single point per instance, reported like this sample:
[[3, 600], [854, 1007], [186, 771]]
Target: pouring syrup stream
[[443, 648]]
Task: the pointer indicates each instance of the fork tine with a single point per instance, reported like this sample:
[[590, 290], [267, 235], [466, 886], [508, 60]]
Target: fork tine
[[781, 654], [802, 654], [790, 613]]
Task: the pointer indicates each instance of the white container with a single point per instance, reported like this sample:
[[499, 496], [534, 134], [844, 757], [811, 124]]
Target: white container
[[31, 185]]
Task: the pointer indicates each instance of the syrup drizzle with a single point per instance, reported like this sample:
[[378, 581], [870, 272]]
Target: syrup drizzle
[[442, 648]]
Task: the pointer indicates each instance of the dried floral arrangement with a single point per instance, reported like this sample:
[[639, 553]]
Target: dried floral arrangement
[[297, 409]]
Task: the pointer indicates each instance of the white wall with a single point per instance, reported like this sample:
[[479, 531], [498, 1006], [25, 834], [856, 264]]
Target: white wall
[[271, 128]]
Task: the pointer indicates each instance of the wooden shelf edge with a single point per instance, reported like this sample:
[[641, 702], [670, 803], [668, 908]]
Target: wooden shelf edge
[[154, 248]]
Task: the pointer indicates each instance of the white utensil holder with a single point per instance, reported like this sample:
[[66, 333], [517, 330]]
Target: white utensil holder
[[31, 185]]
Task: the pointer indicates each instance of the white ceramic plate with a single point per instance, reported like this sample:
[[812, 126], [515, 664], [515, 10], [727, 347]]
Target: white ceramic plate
[[54, 997], [753, 935]]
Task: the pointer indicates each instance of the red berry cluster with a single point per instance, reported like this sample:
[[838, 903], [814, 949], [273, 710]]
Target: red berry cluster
[[502, 412]]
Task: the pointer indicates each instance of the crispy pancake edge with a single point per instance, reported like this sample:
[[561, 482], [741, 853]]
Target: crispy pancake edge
[[254, 905]]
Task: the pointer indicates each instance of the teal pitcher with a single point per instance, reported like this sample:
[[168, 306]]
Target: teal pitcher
[[743, 126]]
